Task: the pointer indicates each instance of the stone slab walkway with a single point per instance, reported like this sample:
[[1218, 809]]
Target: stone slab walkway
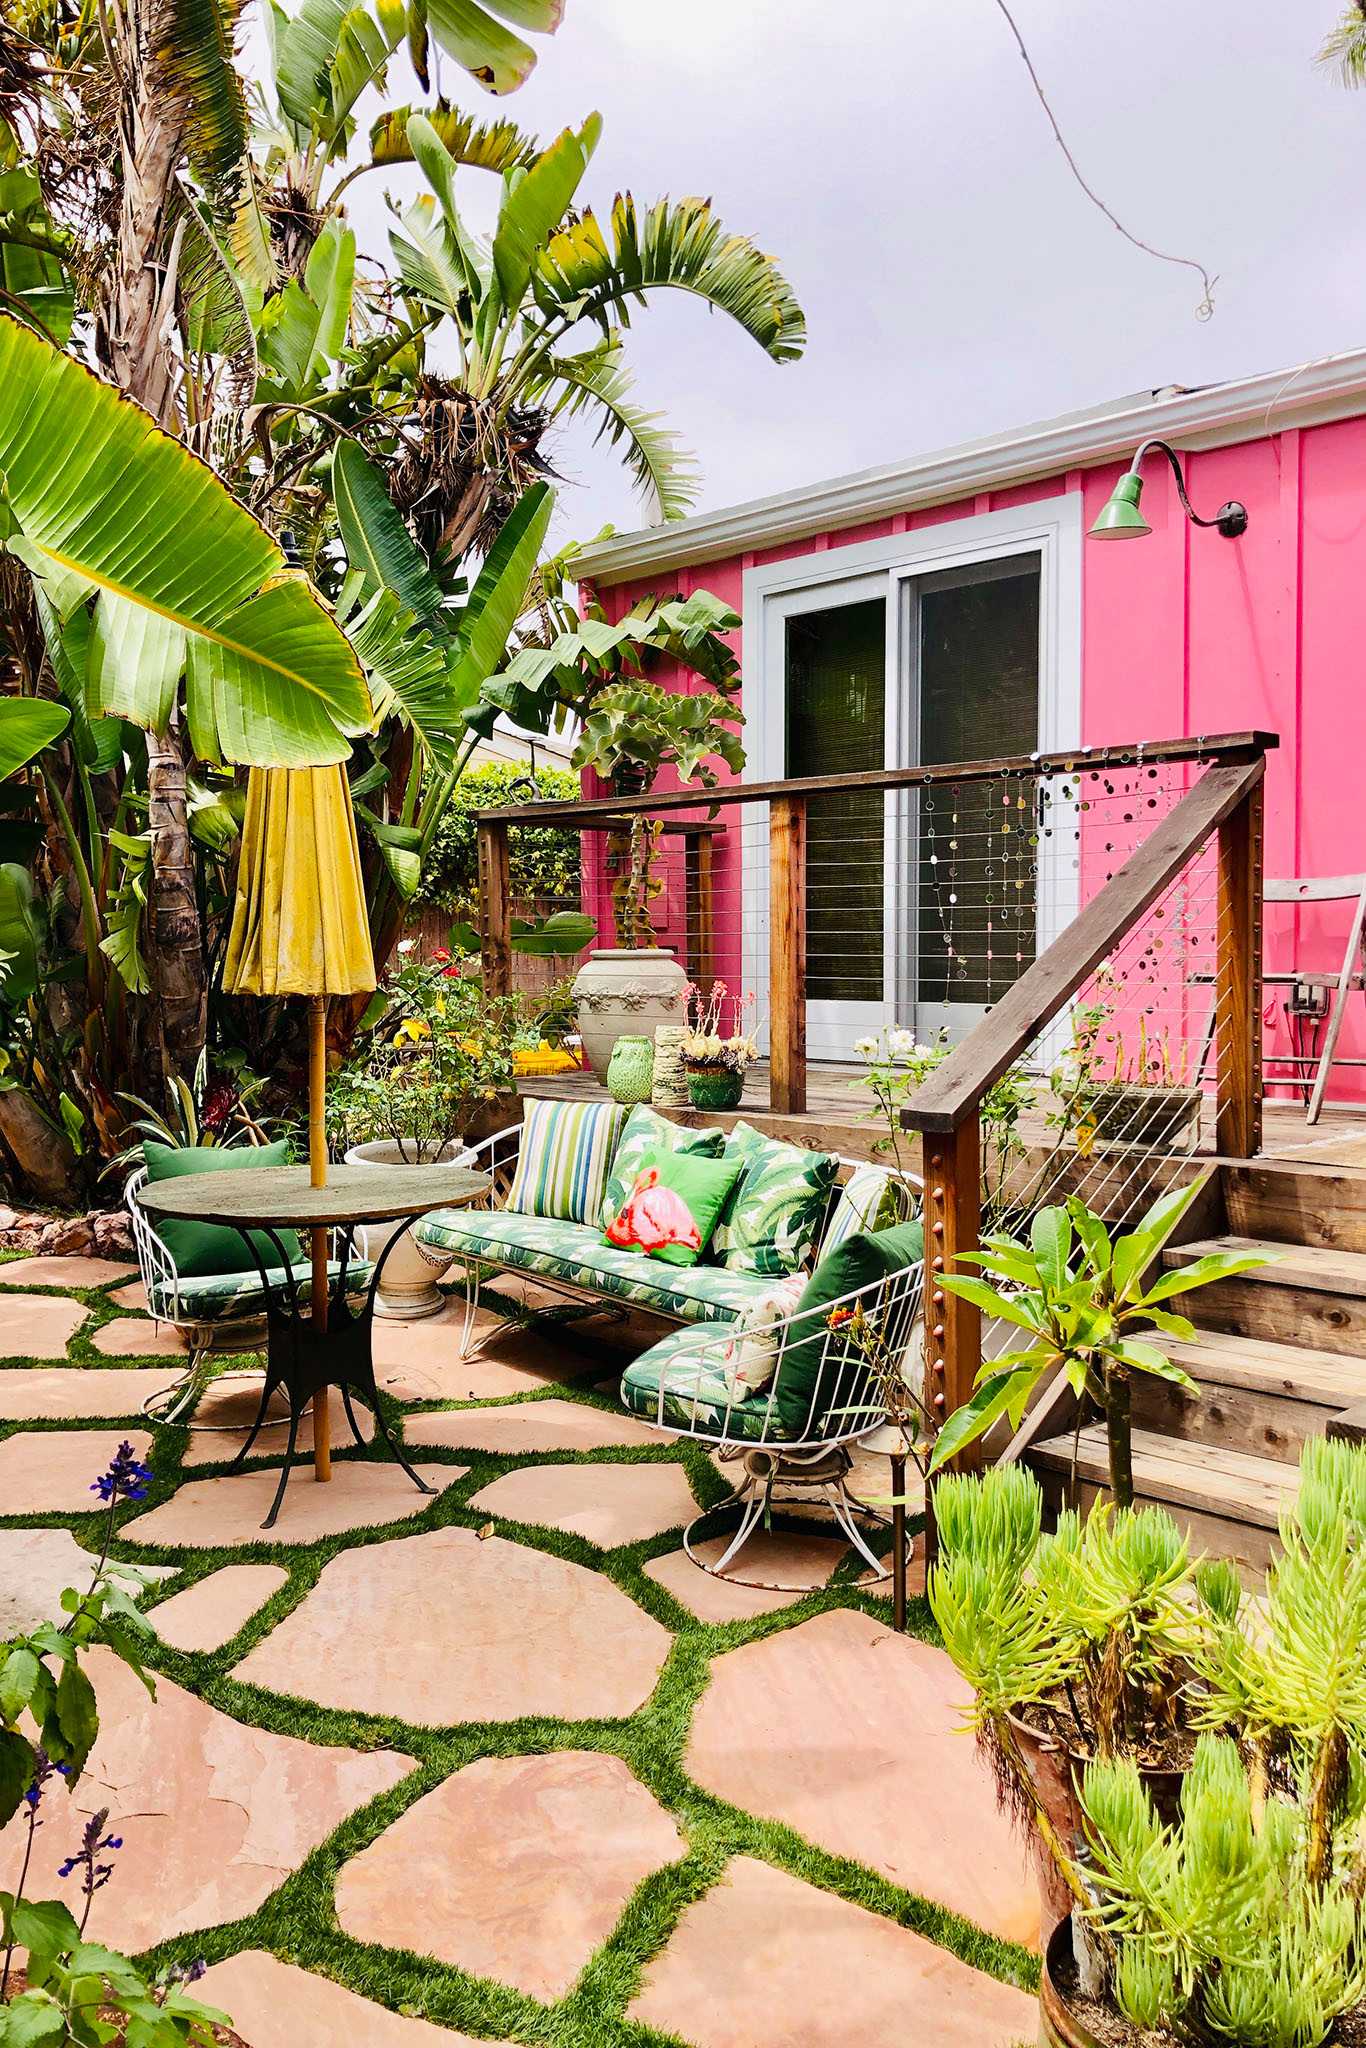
[[468, 1788]]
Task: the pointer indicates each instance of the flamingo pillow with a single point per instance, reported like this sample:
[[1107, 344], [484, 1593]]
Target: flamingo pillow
[[671, 1210]]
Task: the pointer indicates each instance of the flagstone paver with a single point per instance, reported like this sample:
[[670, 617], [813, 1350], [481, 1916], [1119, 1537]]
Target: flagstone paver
[[856, 1738], [209, 1613], [38, 1325], [140, 1337], [36, 1392], [54, 1271], [231, 1405], [212, 1815], [420, 1361], [50, 1471], [516, 1868], [457, 1628], [278, 2005], [361, 1494], [765, 1957], [792, 1559], [37, 1566], [608, 1504], [131, 1295], [530, 1426]]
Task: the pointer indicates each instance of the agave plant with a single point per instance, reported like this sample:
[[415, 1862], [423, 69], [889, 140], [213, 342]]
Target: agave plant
[[1082, 1298]]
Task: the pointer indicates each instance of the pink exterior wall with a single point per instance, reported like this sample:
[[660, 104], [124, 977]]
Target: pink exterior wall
[[1185, 632]]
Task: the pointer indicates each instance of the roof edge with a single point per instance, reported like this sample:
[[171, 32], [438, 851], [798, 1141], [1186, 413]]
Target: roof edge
[[1218, 415]]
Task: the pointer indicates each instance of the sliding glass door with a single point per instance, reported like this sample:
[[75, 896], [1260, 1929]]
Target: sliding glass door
[[921, 907]]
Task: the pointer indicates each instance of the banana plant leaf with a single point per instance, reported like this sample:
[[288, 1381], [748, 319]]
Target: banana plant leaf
[[94, 489], [27, 725]]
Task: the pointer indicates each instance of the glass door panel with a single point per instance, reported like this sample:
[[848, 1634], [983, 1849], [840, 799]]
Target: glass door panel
[[975, 645], [836, 705]]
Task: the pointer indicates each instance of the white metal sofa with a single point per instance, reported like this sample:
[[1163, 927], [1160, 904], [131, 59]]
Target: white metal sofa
[[679, 1385]]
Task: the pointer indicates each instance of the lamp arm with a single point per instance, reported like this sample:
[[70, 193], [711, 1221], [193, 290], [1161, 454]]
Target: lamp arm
[[1175, 462]]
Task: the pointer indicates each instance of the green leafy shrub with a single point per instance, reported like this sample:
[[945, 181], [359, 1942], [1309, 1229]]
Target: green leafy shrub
[[543, 863]]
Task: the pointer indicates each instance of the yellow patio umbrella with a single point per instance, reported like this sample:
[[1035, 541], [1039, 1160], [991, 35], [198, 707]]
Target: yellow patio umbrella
[[299, 928]]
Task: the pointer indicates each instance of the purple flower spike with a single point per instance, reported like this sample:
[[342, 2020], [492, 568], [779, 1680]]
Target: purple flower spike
[[126, 1479]]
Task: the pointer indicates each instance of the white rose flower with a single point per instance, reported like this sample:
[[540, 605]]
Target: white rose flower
[[901, 1044], [406, 945], [865, 1047]]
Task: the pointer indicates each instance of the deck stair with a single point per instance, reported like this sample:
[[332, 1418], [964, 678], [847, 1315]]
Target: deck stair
[[1279, 1356]]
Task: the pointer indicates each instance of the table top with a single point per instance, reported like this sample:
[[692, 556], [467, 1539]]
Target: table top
[[263, 1197]]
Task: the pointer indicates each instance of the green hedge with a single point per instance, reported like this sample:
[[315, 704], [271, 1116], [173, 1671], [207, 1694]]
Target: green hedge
[[543, 863]]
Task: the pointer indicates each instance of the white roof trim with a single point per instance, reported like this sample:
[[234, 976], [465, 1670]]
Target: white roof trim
[[1334, 387]]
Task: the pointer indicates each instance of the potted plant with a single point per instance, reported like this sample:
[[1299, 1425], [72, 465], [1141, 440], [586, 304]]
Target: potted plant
[[1119, 1095], [1239, 1919], [631, 729], [433, 1072], [715, 1059]]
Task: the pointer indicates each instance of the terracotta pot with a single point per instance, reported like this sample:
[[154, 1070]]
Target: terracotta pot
[[1057, 2026], [1056, 1774], [620, 990], [407, 1288]]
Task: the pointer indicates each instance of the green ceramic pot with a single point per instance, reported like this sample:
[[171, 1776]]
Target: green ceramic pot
[[631, 1070], [715, 1087]]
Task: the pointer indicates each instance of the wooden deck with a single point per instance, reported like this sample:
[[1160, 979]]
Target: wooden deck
[[838, 1117]]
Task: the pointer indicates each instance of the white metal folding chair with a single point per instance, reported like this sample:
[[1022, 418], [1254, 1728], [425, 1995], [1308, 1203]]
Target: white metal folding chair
[[1316, 996]]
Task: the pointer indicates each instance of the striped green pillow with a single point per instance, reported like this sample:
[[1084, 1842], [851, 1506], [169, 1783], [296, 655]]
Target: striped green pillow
[[566, 1154], [867, 1200]]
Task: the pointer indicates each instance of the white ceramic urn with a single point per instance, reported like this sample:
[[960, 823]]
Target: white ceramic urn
[[407, 1287], [624, 990]]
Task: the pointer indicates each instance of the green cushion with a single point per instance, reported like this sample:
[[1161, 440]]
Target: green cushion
[[808, 1370], [672, 1210], [230, 1297], [774, 1220], [677, 1386], [201, 1249], [575, 1252], [646, 1136]]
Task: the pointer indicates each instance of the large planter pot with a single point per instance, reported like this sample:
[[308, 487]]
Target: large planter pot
[[619, 991], [1055, 1772], [407, 1288], [1059, 2026]]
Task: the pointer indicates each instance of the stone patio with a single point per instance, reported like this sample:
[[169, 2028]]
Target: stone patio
[[592, 1836]]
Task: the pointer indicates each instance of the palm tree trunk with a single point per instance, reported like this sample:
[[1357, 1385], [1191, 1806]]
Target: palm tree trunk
[[133, 331]]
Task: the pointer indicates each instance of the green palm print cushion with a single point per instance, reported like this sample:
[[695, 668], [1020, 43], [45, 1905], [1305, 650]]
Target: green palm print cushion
[[774, 1219], [646, 1135]]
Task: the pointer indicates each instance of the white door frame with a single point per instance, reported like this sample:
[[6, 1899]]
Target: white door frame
[[775, 591]]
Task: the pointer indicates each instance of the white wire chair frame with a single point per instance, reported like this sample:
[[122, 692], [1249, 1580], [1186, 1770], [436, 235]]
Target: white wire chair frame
[[229, 1337], [844, 1407]]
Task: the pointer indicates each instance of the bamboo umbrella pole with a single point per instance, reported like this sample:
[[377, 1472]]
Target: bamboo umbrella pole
[[317, 1175]]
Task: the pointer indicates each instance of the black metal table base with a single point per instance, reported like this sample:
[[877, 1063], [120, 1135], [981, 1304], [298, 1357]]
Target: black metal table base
[[301, 1360]]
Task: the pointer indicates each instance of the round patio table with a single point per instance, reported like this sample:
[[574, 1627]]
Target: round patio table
[[312, 1346]]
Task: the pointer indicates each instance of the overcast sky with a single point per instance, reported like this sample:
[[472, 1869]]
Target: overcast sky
[[892, 155]]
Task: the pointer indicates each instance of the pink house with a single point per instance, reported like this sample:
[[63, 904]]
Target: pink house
[[952, 607]]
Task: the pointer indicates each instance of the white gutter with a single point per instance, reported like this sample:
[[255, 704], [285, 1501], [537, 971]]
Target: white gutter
[[1330, 389]]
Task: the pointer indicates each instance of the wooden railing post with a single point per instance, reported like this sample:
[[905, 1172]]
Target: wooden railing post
[[1239, 985], [953, 1327], [495, 907], [787, 955]]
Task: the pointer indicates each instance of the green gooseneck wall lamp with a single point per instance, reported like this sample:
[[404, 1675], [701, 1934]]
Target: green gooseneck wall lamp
[[1122, 519]]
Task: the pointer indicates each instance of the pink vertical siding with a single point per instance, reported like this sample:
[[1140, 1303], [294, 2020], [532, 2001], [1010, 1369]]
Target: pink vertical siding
[[1185, 632]]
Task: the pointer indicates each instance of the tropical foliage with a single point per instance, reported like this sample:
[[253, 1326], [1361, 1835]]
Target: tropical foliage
[[1082, 1299], [542, 862], [173, 233]]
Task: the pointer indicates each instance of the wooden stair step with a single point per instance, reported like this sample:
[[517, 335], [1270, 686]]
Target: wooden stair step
[[1323, 1268], [1203, 1477], [1301, 1202], [1291, 1372], [1313, 1294]]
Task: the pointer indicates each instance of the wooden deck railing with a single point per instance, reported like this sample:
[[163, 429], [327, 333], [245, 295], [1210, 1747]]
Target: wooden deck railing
[[1227, 801]]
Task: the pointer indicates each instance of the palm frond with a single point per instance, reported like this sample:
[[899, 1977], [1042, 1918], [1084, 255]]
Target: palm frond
[[197, 68], [679, 246], [1344, 50], [217, 321], [483, 145], [598, 383]]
